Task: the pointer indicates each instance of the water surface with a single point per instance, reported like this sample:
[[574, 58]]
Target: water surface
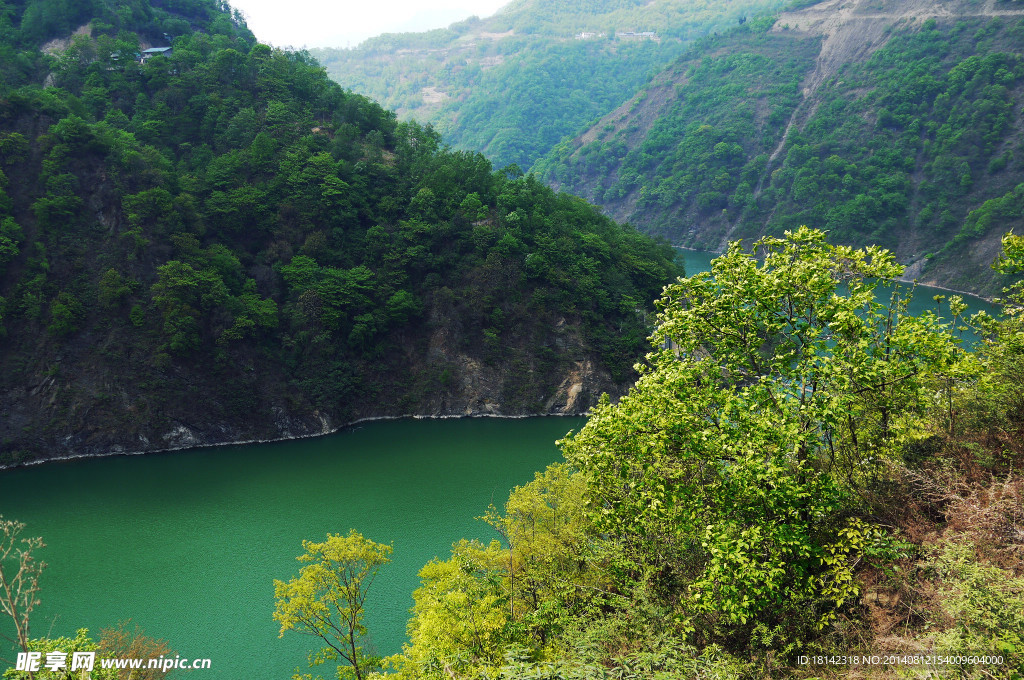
[[187, 544]]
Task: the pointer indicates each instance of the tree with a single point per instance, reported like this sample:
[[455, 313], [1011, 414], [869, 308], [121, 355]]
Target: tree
[[69, 647], [784, 382], [994, 403], [121, 642], [1011, 261], [19, 577], [460, 616], [551, 567], [328, 598]]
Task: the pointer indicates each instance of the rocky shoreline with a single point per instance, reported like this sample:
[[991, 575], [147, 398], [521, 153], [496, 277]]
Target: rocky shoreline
[[332, 430], [476, 390]]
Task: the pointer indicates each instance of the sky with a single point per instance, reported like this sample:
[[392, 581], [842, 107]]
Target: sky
[[346, 23]]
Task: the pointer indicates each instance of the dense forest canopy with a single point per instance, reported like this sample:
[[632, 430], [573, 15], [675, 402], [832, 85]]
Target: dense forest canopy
[[220, 243], [227, 222]]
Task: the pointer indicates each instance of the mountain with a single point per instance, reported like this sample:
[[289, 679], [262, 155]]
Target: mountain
[[218, 243], [882, 121], [513, 85]]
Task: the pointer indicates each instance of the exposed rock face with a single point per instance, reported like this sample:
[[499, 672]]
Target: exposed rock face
[[475, 390], [476, 387], [94, 410], [480, 388], [579, 389], [851, 30]]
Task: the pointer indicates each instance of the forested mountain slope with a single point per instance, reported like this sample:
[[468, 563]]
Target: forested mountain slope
[[513, 85], [884, 122], [222, 244]]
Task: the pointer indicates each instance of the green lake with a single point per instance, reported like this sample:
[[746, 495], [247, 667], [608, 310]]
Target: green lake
[[187, 544]]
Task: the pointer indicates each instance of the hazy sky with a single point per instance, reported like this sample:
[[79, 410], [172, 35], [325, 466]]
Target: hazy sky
[[346, 23]]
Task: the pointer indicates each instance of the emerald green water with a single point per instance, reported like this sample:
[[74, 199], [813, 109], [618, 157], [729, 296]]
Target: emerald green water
[[187, 544]]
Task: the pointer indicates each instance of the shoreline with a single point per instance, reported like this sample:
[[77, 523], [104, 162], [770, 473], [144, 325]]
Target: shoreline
[[323, 433], [915, 282], [327, 430]]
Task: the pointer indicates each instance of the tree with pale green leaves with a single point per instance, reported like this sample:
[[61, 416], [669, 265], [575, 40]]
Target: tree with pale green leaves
[[460, 622], [785, 382], [1011, 261], [328, 597]]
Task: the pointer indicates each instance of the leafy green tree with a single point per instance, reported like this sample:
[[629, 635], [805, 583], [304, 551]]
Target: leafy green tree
[[460, 616], [114, 287], [552, 572], [1011, 261], [10, 237], [327, 599], [994, 402], [183, 294], [66, 312], [152, 209], [786, 381], [69, 646]]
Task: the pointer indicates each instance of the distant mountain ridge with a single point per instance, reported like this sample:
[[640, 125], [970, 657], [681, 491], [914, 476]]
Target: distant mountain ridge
[[888, 122], [513, 85]]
